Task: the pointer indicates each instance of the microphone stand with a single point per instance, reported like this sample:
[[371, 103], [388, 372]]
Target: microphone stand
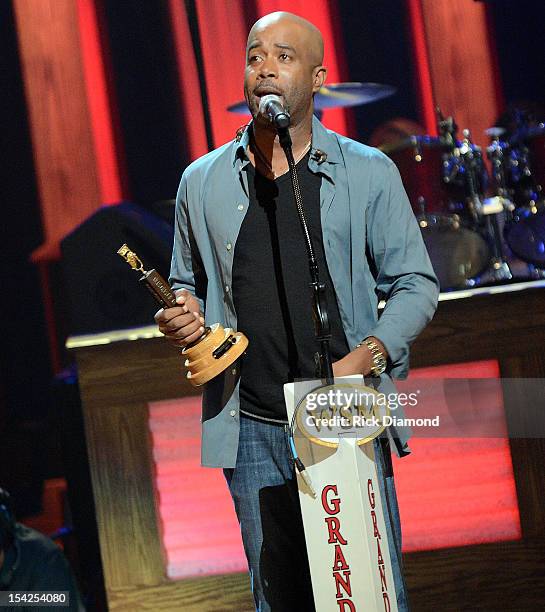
[[322, 327]]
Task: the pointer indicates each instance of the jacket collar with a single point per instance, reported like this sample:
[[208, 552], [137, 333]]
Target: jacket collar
[[325, 150]]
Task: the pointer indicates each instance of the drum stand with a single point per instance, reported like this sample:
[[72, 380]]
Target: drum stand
[[501, 207], [491, 209], [499, 269]]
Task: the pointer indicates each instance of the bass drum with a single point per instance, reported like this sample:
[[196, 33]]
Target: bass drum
[[525, 235], [458, 255]]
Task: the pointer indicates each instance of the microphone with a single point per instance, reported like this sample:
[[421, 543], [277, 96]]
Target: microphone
[[271, 107]]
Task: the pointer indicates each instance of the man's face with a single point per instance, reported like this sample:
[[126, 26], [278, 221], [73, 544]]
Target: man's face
[[278, 62]]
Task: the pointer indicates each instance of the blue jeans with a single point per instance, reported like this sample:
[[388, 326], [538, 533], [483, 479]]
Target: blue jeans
[[264, 491]]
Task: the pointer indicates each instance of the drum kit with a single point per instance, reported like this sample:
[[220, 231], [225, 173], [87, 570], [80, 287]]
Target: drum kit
[[480, 227]]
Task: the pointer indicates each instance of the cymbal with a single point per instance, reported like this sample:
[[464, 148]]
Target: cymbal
[[495, 132], [338, 95]]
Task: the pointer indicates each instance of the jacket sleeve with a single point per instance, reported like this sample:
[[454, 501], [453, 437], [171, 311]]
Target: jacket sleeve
[[402, 269], [186, 269]]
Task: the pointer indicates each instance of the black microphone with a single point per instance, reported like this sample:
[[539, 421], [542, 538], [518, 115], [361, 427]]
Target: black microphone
[[271, 107]]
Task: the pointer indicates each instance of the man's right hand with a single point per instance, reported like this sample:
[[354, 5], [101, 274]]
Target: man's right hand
[[181, 324]]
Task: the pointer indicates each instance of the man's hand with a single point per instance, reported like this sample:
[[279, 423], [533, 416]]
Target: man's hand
[[181, 324], [357, 362]]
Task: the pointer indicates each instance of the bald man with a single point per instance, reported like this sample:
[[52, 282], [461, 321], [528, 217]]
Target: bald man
[[239, 258]]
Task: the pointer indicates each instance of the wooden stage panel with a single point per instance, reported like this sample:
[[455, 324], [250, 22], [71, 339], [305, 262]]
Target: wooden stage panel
[[199, 528]]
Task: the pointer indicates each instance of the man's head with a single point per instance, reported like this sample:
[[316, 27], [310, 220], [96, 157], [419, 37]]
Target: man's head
[[284, 56]]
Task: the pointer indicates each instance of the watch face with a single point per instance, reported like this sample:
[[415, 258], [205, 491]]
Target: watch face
[[380, 369], [379, 363]]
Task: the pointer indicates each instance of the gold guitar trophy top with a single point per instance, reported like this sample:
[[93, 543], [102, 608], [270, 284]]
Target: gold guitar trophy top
[[214, 351]]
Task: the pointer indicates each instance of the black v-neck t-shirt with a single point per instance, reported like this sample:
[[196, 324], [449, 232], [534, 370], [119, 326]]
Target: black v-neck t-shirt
[[272, 293]]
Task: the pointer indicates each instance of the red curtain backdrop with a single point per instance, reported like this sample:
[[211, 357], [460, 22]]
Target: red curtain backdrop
[[452, 45], [100, 101], [75, 151], [190, 89], [59, 118], [422, 66], [223, 30]]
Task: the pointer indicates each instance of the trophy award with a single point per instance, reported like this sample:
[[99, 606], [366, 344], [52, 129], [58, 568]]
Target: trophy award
[[214, 351]]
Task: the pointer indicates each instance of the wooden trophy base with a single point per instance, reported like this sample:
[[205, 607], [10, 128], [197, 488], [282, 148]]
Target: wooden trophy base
[[214, 352]]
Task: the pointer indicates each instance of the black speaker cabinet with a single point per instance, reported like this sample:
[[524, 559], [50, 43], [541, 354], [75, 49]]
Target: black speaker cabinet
[[101, 290]]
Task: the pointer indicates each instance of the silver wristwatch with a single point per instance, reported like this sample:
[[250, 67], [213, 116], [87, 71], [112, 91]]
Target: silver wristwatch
[[379, 361]]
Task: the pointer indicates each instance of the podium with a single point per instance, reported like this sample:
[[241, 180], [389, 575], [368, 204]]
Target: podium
[[343, 510]]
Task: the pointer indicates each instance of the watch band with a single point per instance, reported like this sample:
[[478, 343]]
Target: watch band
[[379, 361]]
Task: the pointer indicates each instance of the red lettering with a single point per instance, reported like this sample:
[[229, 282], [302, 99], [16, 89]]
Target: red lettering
[[342, 582], [380, 560], [333, 526], [376, 532], [332, 506], [382, 572], [370, 493], [339, 563]]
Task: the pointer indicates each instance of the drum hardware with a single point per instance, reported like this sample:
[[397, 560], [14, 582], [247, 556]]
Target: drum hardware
[[496, 205], [524, 165], [496, 208], [434, 173], [485, 211], [499, 266], [422, 206], [447, 128], [496, 154], [518, 166], [444, 221]]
